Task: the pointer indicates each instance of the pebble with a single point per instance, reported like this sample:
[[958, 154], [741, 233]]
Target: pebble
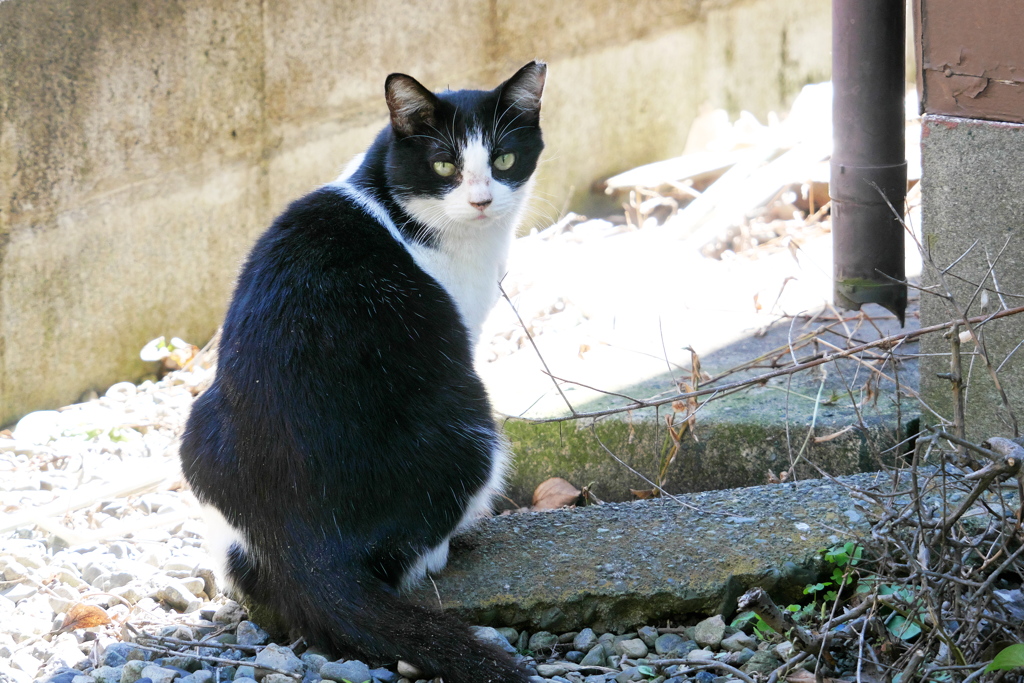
[[784, 650], [490, 635], [648, 634], [313, 661], [738, 641], [107, 674], [740, 658], [710, 632], [634, 648], [384, 675], [673, 646], [510, 634], [131, 672], [584, 640], [595, 657], [201, 676], [631, 673], [177, 595], [278, 657], [542, 641], [229, 613], [250, 634], [159, 674], [352, 671], [551, 670], [407, 670], [763, 661]]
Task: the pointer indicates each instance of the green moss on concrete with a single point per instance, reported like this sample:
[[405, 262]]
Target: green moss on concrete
[[740, 438]]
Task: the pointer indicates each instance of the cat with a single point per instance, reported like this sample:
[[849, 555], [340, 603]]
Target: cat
[[346, 436]]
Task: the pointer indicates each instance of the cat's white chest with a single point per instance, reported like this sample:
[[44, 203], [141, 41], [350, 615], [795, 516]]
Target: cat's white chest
[[469, 271]]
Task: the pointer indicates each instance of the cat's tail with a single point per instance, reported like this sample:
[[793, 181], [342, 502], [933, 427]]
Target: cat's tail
[[344, 610]]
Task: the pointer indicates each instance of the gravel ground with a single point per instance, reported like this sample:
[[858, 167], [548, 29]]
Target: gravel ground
[[104, 579]]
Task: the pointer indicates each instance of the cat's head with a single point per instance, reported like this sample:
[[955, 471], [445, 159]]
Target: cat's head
[[463, 159]]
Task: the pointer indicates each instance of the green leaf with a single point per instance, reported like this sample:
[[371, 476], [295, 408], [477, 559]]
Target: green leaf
[[740, 619], [1009, 658], [902, 628], [646, 670]]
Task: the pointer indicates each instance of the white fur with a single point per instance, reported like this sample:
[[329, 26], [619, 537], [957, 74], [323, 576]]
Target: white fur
[[431, 562], [367, 203], [350, 168], [480, 504], [220, 536]]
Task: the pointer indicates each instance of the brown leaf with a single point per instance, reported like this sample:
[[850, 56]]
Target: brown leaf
[[83, 616], [588, 496], [645, 494], [554, 493]]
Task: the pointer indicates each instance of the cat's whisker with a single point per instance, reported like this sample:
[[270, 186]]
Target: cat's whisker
[[501, 135], [429, 137], [506, 134], [448, 144]]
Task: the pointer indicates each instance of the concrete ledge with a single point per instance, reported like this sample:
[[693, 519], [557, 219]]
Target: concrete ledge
[[615, 566], [740, 437]]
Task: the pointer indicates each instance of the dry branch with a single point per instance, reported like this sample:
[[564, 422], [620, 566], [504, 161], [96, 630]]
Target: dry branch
[[885, 342]]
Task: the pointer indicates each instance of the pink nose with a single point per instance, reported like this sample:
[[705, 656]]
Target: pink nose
[[481, 204]]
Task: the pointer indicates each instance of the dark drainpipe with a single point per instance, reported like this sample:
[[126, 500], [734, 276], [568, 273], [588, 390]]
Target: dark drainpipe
[[868, 159]]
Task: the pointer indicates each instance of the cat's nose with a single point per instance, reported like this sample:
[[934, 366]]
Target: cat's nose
[[483, 204]]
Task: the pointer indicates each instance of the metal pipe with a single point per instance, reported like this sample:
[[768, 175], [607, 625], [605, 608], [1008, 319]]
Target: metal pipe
[[869, 167]]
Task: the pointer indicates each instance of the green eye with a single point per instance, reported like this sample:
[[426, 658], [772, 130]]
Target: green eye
[[505, 161], [444, 168]]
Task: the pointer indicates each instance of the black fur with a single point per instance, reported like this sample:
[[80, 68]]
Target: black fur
[[346, 429]]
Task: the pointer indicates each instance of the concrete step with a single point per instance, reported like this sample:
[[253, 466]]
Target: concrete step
[[615, 566]]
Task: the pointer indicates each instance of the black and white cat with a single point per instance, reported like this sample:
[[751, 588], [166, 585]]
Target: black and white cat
[[346, 436]]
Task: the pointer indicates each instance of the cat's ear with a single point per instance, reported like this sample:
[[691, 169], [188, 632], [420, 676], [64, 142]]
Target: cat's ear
[[523, 91], [411, 104]]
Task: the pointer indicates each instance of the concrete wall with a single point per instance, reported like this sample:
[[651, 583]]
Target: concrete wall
[[973, 203], [144, 144]]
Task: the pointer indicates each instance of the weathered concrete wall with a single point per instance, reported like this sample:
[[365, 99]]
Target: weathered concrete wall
[[144, 144], [973, 207]]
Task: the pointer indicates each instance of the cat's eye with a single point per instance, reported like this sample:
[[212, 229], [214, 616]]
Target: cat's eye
[[444, 168], [505, 161]]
